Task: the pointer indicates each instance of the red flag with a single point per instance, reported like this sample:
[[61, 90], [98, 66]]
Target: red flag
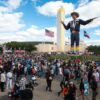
[[49, 33]]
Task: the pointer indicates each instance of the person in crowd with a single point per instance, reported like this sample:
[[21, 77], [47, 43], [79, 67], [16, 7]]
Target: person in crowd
[[65, 92], [1, 67], [90, 72], [16, 91], [85, 76], [49, 79], [94, 87], [96, 75], [77, 74], [26, 94], [82, 88], [9, 80], [2, 81], [72, 91], [63, 84], [23, 82]]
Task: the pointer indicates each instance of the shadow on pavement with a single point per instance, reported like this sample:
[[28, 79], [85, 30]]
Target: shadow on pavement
[[4, 97]]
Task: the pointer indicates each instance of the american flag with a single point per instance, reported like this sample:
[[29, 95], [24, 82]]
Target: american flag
[[49, 33], [86, 35]]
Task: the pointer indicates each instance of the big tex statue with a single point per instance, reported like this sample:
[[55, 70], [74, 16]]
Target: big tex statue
[[74, 27]]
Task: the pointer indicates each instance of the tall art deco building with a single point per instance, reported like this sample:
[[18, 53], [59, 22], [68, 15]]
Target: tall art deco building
[[60, 30]]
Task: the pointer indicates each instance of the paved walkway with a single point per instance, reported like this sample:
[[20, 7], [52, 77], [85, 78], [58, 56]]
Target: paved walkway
[[41, 94]]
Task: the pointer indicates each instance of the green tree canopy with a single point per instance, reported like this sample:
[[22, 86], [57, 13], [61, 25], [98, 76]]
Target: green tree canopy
[[28, 46], [95, 49]]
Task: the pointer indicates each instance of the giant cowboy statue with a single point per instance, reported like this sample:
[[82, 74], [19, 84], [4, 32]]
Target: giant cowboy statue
[[74, 27]]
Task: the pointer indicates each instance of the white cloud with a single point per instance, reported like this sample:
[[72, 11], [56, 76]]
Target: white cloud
[[93, 42], [34, 30], [90, 10], [33, 33], [14, 4], [51, 8], [12, 37], [97, 32], [10, 22], [39, 34], [84, 2], [10, 5]]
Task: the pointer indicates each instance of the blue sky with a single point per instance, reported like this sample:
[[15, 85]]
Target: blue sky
[[25, 20]]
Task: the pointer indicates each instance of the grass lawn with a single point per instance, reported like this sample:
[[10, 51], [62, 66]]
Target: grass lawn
[[73, 57]]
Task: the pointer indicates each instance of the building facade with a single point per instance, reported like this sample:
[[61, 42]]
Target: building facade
[[54, 48]]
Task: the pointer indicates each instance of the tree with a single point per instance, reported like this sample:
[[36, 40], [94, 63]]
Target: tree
[[95, 49], [28, 46]]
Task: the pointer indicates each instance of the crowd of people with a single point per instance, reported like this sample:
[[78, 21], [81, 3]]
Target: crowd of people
[[17, 72], [87, 76]]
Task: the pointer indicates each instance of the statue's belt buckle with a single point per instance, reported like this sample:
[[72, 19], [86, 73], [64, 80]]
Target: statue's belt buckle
[[74, 31]]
